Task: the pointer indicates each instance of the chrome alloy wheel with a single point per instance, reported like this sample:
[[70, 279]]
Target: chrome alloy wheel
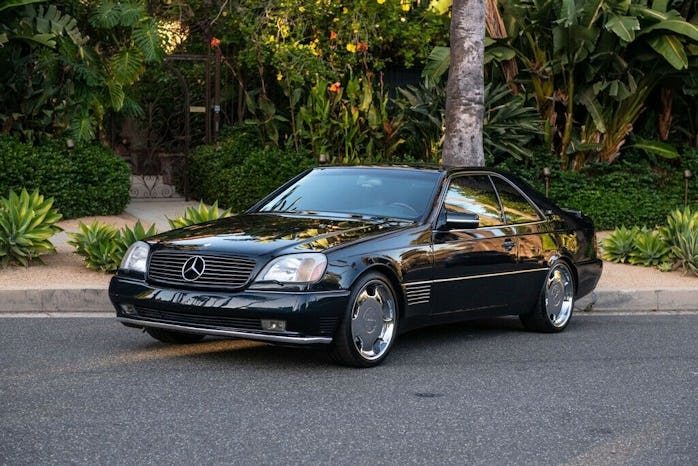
[[559, 295], [373, 320]]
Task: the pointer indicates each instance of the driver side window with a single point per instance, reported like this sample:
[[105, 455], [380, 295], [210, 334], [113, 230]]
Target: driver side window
[[474, 194]]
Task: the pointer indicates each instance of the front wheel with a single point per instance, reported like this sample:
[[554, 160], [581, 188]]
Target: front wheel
[[553, 311], [168, 336], [369, 327]]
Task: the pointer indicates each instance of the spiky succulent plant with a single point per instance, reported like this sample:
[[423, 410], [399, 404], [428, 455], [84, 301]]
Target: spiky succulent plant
[[201, 214], [27, 222], [619, 244]]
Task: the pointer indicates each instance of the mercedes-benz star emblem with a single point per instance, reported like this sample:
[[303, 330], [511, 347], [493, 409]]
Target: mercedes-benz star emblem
[[193, 268]]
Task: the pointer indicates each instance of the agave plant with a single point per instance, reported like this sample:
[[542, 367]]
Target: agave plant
[[103, 246], [97, 244], [686, 251], [679, 222], [681, 234], [127, 236], [619, 244], [200, 214], [27, 221], [650, 249]]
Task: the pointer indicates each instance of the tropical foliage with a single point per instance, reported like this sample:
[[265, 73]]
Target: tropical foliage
[[68, 64]]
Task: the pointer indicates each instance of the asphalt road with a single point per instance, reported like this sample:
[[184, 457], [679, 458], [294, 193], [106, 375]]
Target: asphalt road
[[609, 390]]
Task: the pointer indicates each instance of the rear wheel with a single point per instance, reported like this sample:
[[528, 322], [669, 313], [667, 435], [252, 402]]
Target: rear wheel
[[177, 338], [554, 309], [369, 328]]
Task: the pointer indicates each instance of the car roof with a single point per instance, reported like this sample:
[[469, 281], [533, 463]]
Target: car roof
[[415, 166]]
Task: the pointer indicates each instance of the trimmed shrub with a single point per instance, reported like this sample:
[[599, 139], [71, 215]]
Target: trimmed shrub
[[237, 172], [89, 180]]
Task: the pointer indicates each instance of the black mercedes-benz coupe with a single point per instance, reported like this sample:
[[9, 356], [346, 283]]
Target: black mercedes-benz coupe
[[350, 257]]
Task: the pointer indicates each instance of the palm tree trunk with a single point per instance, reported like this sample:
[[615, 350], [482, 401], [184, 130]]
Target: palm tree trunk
[[466, 86]]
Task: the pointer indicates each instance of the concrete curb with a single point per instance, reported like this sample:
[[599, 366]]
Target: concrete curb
[[672, 299], [91, 300]]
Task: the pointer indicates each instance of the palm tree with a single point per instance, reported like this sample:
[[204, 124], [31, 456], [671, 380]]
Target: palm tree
[[465, 92]]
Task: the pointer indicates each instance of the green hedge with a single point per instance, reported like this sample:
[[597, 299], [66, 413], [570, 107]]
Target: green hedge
[[634, 192], [237, 171], [89, 180]]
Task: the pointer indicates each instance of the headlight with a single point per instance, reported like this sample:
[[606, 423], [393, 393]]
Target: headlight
[[294, 268], [136, 257]]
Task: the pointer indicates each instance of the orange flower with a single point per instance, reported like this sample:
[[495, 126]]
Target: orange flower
[[335, 88], [215, 42], [333, 35], [362, 47]]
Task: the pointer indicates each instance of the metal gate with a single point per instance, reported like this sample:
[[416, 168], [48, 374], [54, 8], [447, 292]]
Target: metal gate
[[157, 145]]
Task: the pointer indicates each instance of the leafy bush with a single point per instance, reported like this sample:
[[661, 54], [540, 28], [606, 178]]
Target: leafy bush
[[27, 221], [237, 172], [89, 180], [200, 214], [103, 246]]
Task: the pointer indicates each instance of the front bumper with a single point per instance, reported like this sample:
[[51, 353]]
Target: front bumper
[[311, 317]]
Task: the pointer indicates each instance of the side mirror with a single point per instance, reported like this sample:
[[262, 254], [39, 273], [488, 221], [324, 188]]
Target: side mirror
[[460, 221]]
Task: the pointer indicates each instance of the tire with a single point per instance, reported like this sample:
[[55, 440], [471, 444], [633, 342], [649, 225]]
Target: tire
[[369, 327], [169, 336], [555, 305]]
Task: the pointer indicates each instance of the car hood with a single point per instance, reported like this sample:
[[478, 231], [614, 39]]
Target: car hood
[[264, 234]]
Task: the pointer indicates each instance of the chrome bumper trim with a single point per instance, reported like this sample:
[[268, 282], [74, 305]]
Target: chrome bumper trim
[[246, 334]]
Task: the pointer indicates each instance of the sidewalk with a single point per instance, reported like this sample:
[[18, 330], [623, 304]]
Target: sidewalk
[[65, 285]]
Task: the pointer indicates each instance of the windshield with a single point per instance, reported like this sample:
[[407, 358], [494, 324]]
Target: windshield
[[373, 192]]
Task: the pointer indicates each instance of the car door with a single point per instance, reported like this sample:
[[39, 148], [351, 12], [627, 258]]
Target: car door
[[527, 225], [474, 250]]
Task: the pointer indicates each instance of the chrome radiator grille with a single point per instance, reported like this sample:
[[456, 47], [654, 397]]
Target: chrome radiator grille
[[229, 272]]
